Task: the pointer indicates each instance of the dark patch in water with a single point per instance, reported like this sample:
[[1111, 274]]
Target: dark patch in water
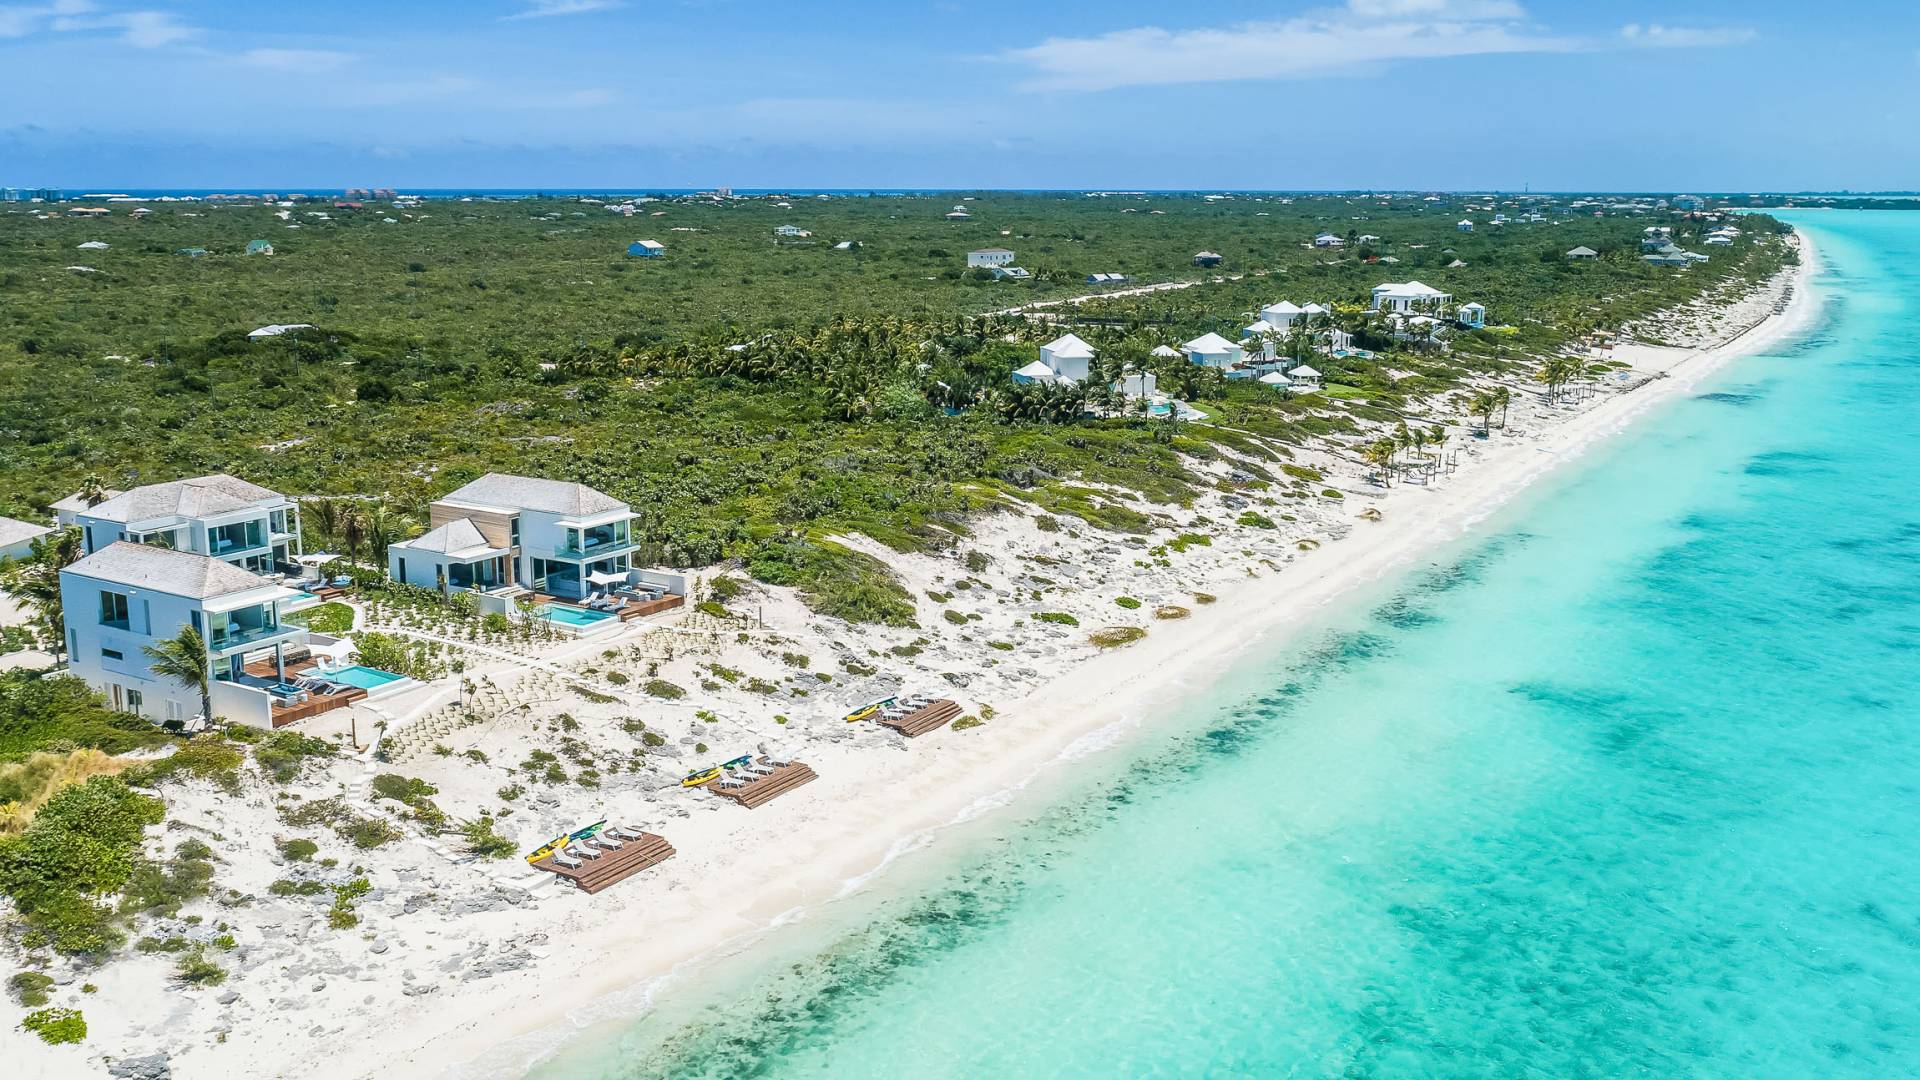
[[1728, 397], [1400, 614]]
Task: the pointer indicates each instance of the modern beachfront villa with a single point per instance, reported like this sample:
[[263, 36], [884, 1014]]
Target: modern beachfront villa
[[504, 536], [127, 595], [219, 516]]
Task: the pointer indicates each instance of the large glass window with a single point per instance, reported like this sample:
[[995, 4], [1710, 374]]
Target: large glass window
[[113, 609]]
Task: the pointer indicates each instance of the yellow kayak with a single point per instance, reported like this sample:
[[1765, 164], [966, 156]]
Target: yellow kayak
[[695, 779], [866, 711], [549, 848]]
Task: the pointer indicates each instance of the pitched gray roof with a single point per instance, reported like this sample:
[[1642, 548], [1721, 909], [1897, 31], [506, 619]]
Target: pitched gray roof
[[78, 502], [181, 573], [450, 539], [195, 497], [14, 531], [531, 493]]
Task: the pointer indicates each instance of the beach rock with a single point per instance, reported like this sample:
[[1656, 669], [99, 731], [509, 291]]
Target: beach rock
[[229, 997], [417, 989], [377, 947], [150, 1067]]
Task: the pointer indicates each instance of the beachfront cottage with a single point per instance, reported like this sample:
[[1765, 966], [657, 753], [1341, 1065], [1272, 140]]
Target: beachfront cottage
[[273, 330], [646, 249], [259, 247], [1305, 378], [1011, 273], [127, 596], [1328, 240], [219, 516], [989, 257], [17, 537], [1281, 316], [1473, 316], [791, 231], [1212, 350], [505, 535], [1582, 253], [1207, 258], [1408, 297]]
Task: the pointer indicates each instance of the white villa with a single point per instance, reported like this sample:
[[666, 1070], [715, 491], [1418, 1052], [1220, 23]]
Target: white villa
[[1408, 296], [1280, 316], [989, 257], [506, 535], [790, 230], [1067, 356], [1464, 226], [1212, 350], [220, 516], [17, 537], [1328, 240], [126, 596], [1137, 384]]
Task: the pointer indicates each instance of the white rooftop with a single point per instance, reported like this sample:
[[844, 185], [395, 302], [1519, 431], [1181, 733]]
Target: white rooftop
[[1209, 343], [1068, 345], [14, 531], [508, 492], [200, 496], [179, 573]]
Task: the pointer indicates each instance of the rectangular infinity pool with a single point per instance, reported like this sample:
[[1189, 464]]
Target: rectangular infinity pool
[[571, 616], [366, 678]]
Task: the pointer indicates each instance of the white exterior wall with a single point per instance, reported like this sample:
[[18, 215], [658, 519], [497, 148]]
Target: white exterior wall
[[989, 258]]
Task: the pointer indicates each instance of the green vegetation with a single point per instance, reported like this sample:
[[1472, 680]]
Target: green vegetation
[[661, 688], [57, 712], [29, 988], [460, 337], [83, 844], [1127, 602], [282, 753], [1112, 637], [298, 849], [1252, 520], [56, 1026], [1058, 618], [332, 617], [965, 722], [483, 841]]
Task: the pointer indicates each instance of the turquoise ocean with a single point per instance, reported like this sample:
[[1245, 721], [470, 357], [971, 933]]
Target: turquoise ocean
[[1625, 784]]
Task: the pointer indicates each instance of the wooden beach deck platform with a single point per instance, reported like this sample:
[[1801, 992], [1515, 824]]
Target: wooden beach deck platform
[[612, 867], [767, 788], [932, 715]]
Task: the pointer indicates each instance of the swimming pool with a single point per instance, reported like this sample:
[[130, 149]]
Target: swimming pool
[[571, 616], [366, 678]]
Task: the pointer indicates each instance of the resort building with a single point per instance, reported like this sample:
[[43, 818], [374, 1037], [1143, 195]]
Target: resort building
[[1212, 350], [219, 516], [1281, 316], [1067, 357], [1137, 384], [507, 534], [1408, 297], [1328, 240], [17, 537], [1207, 258], [990, 257], [1464, 226], [791, 231], [127, 596], [1582, 253]]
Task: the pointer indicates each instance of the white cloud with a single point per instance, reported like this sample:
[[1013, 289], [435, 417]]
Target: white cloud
[[141, 29], [297, 61], [1364, 33], [1655, 36], [540, 9]]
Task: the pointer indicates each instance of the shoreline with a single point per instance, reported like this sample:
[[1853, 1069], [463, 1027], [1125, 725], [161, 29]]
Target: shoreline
[[872, 815], [1093, 707]]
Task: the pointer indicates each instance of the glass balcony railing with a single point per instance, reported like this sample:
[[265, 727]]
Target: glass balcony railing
[[594, 548], [246, 635]]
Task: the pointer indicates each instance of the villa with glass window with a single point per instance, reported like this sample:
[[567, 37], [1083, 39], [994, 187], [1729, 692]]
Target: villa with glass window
[[504, 534], [219, 516], [129, 595]]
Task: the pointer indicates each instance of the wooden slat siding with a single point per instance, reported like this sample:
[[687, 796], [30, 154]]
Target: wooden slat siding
[[314, 706], [767, 788], [495, 526], [612, 866], [640, 609], [925, 719]]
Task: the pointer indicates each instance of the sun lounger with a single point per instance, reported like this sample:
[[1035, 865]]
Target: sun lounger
[[566, 860], [584, 851], [625, 832], [611, 843]]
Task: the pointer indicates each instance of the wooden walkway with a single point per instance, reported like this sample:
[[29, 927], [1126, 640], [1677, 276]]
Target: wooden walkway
[[926, 718], [630, 858], [765, 789]]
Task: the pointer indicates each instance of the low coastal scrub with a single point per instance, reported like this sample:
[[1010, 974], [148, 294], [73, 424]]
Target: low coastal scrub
[[965, 722], [281, 754], [329, 618], [1127, 602], [661, 688], [59, 714], [835, 580], [56, 1026], [83, 844], [1112, 637], [25, 786], [1254, 520], [29, 988], [482, 841], [1058, 618], [1171, 611], [209, 757]]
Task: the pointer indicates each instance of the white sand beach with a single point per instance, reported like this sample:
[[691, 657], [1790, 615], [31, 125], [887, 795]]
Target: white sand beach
[[454, 959]]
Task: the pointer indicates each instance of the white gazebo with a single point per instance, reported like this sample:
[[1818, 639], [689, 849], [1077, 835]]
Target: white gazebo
[[1307, 377]]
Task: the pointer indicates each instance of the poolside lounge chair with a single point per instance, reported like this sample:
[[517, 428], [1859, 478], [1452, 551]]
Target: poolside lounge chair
[[624, 832], [566, 860], [584, 851], [611, 843]]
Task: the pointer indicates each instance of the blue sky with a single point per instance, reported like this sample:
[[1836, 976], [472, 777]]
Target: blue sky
[[1553, 94]]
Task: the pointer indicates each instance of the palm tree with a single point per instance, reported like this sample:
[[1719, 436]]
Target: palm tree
[[1502, 397], [383, 528], [183, 658], [326, 515], [1379, 453], [352, 530], [92, 491]]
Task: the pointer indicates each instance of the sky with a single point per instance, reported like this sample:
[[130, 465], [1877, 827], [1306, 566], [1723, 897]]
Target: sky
[[1122, 94]]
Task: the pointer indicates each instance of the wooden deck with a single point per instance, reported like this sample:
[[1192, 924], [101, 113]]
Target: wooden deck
[[926, 718], [628, 610], [611, 867], [767, 788], [315, 703]]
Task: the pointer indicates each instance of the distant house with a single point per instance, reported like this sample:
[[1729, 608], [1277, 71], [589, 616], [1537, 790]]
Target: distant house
[[1407, 297], [259, 247], [89, 211], [1067, 356], [1036, 372], [17, 537], [646, 249], [1137, 384], [1689, 202], [990, 257], [67, 511], [1328, 240], [1473, 316], [959, 215], [1456, 264], [1305, 377], [1583, 252], [846, 245], [1207, 258], [790, 231], [1212, 350], [277, 329], [94, 245], [192, 252], [1281, 316], [1464, 226], [1012, 273], [1666, 258], [1106, 279]]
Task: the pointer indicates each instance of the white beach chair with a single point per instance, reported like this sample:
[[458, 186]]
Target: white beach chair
[[584, 851], [560, 856]]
